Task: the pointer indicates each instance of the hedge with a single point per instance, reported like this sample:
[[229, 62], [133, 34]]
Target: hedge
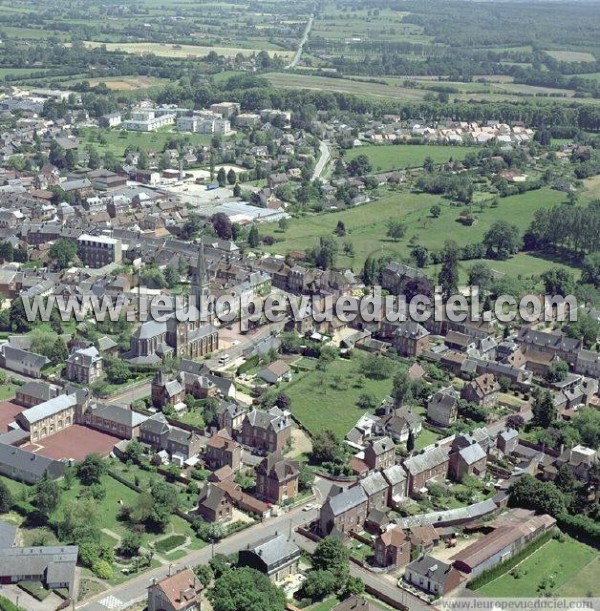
[[580, 527], [500, 569], [249, 364]]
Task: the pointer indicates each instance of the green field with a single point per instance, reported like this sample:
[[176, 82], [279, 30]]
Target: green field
[[318, 403], [570, 565], [117, 141], [398, 157], [366, 227]]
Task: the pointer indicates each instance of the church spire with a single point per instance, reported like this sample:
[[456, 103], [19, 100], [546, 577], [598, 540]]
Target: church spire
[[200, 284]]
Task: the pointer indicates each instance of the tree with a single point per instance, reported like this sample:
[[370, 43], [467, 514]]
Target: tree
[[324, 255], [46, 496], [245, 589], [102, 569], [59, 352], [410, 442], [590, 269], [530, 493], [221, 177], [237, 190], [94, 160], [63, 252], [557, 372], [428, 165], [222, 225], [283, 224], [544, 410], [332, 555], [340, 228], [319, 584], [359, 166], [481, 275], [395, 230], [435, 211], [377, 367], [585, 328], [118, 372], [6, 499], [366, 401], [253, 237], [231, 177], [91, 469], [354, 587], [420, 254], [326, 447], [448, 277], [402, 390], [306, 478], [204, 573], [171, 276], [558, 281], [515, 422], [130, 543], [502, 240]]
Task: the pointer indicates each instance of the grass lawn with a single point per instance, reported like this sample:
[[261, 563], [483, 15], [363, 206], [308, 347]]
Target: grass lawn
[[319, 404], [117, 141], [8, 391], [425, 438], [397, 157], [562, 562], [168, 543], [584, 583]]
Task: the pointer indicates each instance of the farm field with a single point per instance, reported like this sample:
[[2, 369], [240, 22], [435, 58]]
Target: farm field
[[572, 56], [129, 83], [384, 158], [566, 564], [366, 226], [180, 51], [358, 88]]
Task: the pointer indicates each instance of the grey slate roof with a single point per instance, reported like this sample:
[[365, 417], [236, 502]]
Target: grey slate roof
[[473, 453], [347, 499], [394, 475], [49, 408], [118, 414], [275, 550], [24, 461], [374, 483], [428, 460]]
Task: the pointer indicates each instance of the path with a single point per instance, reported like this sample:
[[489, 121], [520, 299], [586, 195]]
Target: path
[[324, 158], [303, 40]]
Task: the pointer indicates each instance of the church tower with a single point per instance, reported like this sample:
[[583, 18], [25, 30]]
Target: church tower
[[200, 286]]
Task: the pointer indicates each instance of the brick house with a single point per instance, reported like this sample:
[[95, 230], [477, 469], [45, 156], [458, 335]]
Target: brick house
[[277, 478], [392, 548], [483, 390], [380, 454], [376, 489], [179, 592], [230, 417], [84, 365], [410, 338], [166, 392], [397, 480], [221, 450], [344, 510], [266, 431], [425, 467], [214, 504], [442, 408], [471, 460]]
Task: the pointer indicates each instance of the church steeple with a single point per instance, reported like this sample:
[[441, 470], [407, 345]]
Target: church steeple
[[200, 284]]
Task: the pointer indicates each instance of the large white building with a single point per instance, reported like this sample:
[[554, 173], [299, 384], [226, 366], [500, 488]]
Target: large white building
[[149, 120], [204, 122]]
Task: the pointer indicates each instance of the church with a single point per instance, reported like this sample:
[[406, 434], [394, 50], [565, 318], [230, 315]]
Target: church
[[189, 336]]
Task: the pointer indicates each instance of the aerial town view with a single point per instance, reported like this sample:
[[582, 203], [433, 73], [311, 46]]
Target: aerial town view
[[299, 305]]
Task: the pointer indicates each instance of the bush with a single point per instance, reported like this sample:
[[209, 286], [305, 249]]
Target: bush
[[102, 569]]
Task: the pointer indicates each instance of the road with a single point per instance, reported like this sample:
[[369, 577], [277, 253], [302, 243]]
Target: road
[[135, 589], [303, 40], [373, 580], [324, 157]]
